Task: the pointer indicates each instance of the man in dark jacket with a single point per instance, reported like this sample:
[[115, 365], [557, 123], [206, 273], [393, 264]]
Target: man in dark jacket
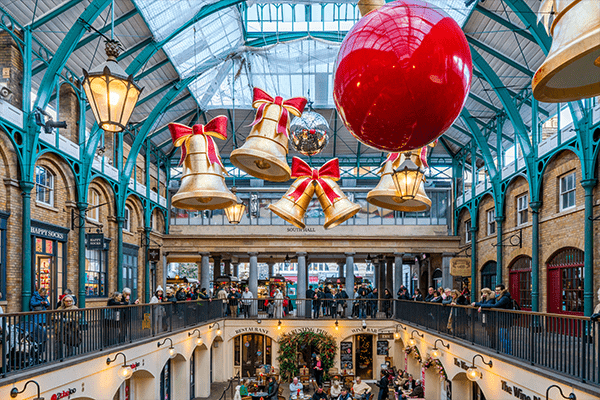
[[319, 394], [383, 384], [418, 390], [430, 294], [503, 301], [310, 294]]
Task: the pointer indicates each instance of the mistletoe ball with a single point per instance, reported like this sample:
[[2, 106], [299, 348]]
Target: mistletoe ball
[[402, 76]]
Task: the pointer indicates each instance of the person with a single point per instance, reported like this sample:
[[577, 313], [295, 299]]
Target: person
[[362, 305], [127, 296], [465, 292], [247, 301], [344, 395], [180, 295], [113, 318], [39, 302], [447, 296], [387, 303], [290, 305], [503, 301], [437, 297], [222, 295], [418, 296], [383, 385], [342, 302], [296, 389], [318, 370], [373, 296], [319, 394], [233, 303], [66, 292], [409, 384], [336, 389], [317, 303], [272, 389], [403, 293], [66, 327], [244, 388], [430, 294], [158, 295], [487, 297], [361, 389], [594, 317], [418, 390], [278, 304], [310, 294], [203, 295]]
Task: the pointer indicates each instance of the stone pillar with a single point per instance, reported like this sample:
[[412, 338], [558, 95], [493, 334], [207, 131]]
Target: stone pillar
[[236, 269], [227, 267], [447, 279], [340, 269], [301, 287], [376, 273], [253, 280], [349, 277], [270, 264], [397, 272], [205, 272], [217, 266], [382, 280], [389, 276]]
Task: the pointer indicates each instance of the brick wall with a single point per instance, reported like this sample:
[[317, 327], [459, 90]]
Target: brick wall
[[11, 62]]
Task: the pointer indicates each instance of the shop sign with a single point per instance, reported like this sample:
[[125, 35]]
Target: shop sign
[[460, 266], [95, 241], [301, 230], [386, 336], [518, 392], [382, 347], [49, 233], [461, 364], [65, 394], [315, 330], [361, 330], [153, 255], [346, 355], [250, 329]]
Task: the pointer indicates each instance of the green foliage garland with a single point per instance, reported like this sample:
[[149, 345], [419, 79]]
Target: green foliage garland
[[288, 350]]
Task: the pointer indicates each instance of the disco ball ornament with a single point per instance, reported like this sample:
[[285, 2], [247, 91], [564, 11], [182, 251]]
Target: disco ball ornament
[[309, 133], [402, 76]]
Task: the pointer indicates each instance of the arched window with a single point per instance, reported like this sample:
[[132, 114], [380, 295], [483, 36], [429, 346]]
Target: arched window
[[488, 275], [127, 223], [437, 278], [520, 281], [44, 186], [93, 209], [565, 282]]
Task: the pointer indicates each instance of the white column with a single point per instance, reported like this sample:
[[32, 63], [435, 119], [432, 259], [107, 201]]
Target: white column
[[253, 280], [397, 272], [349, 276], [301, 287], [205, 272]]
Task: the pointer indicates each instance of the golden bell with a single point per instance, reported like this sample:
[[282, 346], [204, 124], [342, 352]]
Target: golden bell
[[293, 210], [202, 184], [340, 210], [366, 6], [571, 70], [384, 194], [264, 154]]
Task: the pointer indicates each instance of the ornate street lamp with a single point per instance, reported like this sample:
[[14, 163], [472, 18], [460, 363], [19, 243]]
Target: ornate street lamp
[[235, 211], [473, 373], [407, 178], [111, 93]]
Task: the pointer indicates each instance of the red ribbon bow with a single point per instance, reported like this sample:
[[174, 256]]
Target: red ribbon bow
[[294, 105], [216, 127], [300, 169], [422, 155]]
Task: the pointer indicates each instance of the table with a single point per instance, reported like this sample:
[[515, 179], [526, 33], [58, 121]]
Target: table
[[259, 395]]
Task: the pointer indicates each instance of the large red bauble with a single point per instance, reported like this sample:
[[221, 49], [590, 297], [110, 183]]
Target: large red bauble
[[402, 76]]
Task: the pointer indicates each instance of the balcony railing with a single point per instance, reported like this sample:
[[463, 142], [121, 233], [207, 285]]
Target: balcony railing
[[564, 344], [258, 213]]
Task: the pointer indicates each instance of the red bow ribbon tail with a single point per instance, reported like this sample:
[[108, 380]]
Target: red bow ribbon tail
[[179, 134], [423, 156], [300, 169], [331, 169]]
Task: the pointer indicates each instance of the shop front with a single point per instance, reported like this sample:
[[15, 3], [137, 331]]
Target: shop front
[[49, 244]]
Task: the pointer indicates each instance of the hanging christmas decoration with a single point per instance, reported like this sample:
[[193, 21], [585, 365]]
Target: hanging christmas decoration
[[309, 133], [571, 70], [264, 154], [400, 89], [203, 181], [291, 343], [336, 206], [437, 364]]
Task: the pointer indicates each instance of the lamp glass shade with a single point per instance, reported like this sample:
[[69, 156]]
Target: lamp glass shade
[[235, 212], [412, 342], [473, 374], [112, 94], [199, 341], [435, 353], [407, 179], [172, 352], [125, 372]]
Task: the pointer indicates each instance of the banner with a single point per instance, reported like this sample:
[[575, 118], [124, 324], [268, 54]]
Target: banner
[[460, 266]]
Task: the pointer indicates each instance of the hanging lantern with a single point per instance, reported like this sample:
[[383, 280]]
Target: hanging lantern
[[407, 178], [111, 93], [309, 133], [235, 211]]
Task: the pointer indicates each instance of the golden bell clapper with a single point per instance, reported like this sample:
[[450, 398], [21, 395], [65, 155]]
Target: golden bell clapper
[[571, 70], [264, 154], [203, 181]]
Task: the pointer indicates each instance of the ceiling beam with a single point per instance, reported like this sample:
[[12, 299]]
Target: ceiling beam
[[485, 103], [94, 35], [505, 59], [135, 48], [53, 13], [505, 23]]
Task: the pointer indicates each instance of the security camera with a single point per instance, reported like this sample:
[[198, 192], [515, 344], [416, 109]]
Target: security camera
[[5, 93], [364, 324]]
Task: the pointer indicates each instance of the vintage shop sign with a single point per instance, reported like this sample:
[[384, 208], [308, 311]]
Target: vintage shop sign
[[460, 266], [65, 394], [250, 329], [300, 230], [307, 329], [517, 392]]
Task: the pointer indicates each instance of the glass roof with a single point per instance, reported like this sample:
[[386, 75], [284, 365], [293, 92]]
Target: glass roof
[[300, 64]]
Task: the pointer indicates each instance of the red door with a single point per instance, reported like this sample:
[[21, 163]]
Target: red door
[[554, 291]]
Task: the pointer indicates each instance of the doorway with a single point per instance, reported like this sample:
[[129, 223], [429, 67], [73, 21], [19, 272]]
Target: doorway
[[252, 351], [364, 356]]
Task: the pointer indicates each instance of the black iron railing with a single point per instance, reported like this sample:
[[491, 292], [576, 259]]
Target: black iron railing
[[565, 344], [32, 339]]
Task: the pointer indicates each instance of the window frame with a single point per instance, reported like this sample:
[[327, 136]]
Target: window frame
[[127, 222], [468, 237], [491, 222], [567, 192], [522, 209], [102, 272], [46, 187], [94, 210], [131, 251]]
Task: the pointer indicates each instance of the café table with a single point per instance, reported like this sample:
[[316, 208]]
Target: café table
[[259, 395]]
